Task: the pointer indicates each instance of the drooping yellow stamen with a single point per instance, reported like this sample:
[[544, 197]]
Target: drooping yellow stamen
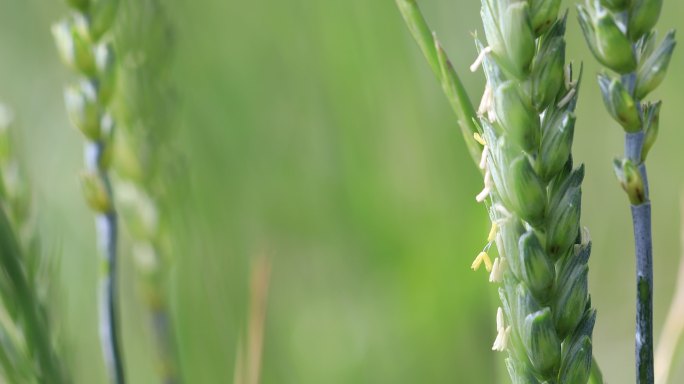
[[567, 98], [492, 233], [482, 257], [479, 138], [480, 58], [502, 332], [483, 158]]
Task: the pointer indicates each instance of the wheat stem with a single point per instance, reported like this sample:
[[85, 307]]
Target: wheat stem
[[641, 216], [643, 244], [109, 328]]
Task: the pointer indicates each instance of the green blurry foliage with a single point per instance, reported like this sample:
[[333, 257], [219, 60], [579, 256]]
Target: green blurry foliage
[[315, 130]]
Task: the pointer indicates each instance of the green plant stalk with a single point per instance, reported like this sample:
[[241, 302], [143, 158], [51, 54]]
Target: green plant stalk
[[533, 194], [620, 35], [109, 329], [643, 243], [83, 42]]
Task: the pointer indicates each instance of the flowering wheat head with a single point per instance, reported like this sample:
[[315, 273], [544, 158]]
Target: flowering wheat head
[[524, 129], [85, 45]]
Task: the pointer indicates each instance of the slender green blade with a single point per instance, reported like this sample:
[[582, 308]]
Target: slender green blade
[[447, 76]]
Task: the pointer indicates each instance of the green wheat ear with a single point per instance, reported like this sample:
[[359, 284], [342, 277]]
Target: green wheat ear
[[28, 352], [144, 108], [525, 126], [85, 45], [621, 37]]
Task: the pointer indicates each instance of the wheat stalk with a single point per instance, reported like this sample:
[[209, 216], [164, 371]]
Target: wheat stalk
[[28, 352], [620, 35], [525, 126], [84, 44]]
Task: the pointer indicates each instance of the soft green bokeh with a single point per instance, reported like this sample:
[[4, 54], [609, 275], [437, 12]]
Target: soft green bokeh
[[314, 132]]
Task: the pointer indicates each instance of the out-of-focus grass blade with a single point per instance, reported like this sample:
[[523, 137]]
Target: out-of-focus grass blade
[[447, 76]]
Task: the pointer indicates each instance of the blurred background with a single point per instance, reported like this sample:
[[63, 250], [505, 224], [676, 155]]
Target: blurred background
[[315, 133]]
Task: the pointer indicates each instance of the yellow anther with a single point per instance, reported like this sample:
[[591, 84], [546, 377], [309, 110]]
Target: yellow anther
[[483, 257], [479, 138], [492, 233]]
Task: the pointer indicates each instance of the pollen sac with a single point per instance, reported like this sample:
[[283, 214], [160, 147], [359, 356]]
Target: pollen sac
[[538, 271], [518, 36], [517, 116], [526, 191], [620, 103], [609, 45], [74, 47], [102, 14], [491, 24], [651, 127], [543, 13], [576, 361], [547, 72], [541, 341], [652, 71], [83, 109], [571, 296], [643, 16]]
